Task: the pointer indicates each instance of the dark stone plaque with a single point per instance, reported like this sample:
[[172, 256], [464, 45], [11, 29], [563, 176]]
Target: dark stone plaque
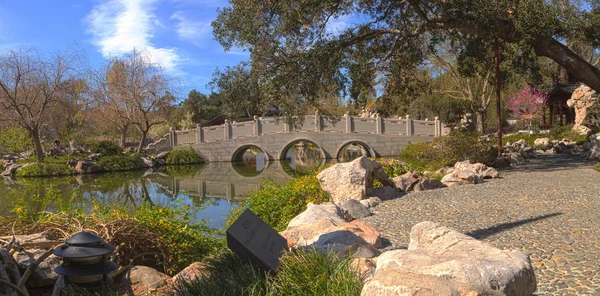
[[256, 242]]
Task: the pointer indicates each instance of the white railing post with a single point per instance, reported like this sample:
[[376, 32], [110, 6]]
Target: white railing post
[[317, 121], [173, 136], [348, 122], [437, 133], [286, 126], [256, 126], [378, 124], [199, 134], [227, 128], [409, 126]]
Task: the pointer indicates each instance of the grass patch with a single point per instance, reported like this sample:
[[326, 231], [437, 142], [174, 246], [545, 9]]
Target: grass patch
[[557, 133], [184, 156], [45, 170], [120, 163], [598, 167], [277, 204], [301, 272], [312, 272]]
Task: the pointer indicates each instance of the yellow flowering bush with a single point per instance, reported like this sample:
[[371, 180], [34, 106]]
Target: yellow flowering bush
[[277, 204]]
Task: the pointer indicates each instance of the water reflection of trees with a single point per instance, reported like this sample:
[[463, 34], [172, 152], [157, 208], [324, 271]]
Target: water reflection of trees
[[352, 151], [122, 189], [303, 158]]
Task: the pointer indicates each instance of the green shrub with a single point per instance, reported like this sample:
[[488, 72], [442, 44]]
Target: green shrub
[[106, 148], [15, 140], [277, 204], [120, 163], [447, 150], [45, 170], [394, 168], [184, 156], [300, 272]]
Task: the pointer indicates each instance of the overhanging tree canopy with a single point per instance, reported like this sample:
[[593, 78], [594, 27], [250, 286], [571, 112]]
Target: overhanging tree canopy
[[295, 41]]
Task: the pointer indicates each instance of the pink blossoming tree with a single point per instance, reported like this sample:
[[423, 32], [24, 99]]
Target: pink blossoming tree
[[527, 104]]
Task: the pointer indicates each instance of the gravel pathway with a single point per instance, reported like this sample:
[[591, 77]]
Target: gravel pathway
[[548, 208]]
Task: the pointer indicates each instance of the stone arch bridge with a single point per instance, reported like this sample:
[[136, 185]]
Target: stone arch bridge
[[227, 142]]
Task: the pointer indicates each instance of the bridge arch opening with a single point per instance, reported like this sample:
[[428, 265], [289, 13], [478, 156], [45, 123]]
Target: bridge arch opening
[[352, 150], [301, 156], [249, 160]]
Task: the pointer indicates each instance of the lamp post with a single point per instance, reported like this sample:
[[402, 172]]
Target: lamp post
[[85, 261]]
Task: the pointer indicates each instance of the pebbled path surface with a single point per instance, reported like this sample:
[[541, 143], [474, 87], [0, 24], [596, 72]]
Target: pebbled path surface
[[548, 208]]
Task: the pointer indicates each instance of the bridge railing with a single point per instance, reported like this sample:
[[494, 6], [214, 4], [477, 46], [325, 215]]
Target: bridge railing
[[312, 123]]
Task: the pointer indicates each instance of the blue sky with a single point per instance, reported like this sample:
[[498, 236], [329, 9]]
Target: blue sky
[[177, 33]]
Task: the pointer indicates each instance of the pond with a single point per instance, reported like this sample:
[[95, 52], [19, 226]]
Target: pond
[[213, 188]]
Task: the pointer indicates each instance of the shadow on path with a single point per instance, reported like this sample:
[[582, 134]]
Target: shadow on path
[[483, 233]]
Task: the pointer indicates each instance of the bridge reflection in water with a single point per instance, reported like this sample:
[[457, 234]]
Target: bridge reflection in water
[[236, 180]]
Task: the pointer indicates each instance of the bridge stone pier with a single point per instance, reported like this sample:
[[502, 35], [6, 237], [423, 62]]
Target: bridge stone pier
[[379, 136]]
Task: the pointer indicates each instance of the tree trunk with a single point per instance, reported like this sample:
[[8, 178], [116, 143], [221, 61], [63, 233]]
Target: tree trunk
[[39, 152], [481, 120], [498, 107], [141, 145], [565, 57], [124, 135]]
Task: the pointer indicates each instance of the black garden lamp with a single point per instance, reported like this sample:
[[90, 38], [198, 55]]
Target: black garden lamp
[[85, 261]]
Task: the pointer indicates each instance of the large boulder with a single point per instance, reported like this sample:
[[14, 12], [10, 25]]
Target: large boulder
[[462, 177], [355, 209], [86, 166], [324, 228], [412, 181], [587, 108], [143, 280], [407, 181], [594, 151], [43, 275], [542, 143], [350, 180], [477, 168], [191, 273], [441, 261], [356, 238], [313, 213]]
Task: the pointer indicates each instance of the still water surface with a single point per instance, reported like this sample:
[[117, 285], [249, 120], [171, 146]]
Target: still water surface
[[213, 188]]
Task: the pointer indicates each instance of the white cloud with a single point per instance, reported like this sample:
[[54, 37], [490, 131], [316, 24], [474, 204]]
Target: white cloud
[[337, 25], [195, 32], [119, 26], [238, 51], [203, 3]]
